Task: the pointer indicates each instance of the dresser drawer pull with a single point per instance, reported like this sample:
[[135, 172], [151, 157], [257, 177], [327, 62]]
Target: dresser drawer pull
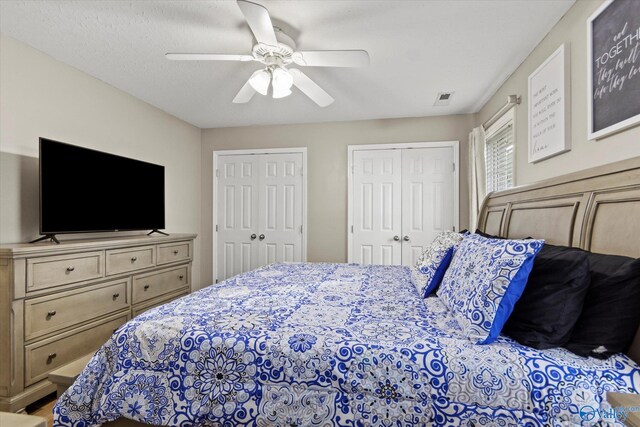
[[134, 258], [146, 287], [51, 313], [70, 268], [51, 357], [116, 295], [181, 277], [176, 252]]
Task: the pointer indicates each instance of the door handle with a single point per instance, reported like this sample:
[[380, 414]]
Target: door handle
[[396, 238], [261, 237], [253, 236], [405, 238]]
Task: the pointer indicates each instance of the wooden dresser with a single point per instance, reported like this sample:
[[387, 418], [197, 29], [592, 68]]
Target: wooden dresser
[[60, 302]]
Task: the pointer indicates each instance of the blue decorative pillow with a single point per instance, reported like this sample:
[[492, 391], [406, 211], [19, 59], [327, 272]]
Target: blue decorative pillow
[[433, 262], [484, 281]]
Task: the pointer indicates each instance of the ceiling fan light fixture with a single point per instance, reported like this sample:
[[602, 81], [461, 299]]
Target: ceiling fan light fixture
[[281, 93], [259, 81], [282, 80]]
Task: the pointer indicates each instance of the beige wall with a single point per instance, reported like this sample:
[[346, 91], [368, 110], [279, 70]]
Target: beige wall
[[44, 97], [572, 29], [327, 169]]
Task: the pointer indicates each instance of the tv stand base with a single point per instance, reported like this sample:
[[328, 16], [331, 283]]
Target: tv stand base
[[51, 237], [155, 230]]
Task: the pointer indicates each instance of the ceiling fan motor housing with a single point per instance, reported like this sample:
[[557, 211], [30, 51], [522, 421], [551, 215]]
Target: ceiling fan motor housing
[[275, 55]]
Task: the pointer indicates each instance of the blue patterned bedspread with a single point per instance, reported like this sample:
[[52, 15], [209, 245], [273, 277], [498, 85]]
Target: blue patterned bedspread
[[328, 345]]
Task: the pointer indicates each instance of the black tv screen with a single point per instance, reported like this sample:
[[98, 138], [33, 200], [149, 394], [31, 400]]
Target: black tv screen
[[83, 190]]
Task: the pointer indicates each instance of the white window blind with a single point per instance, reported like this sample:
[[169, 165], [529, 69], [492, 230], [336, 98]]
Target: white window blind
[[499, 158]]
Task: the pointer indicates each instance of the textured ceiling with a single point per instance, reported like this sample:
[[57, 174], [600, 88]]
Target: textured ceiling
[[417, 49]]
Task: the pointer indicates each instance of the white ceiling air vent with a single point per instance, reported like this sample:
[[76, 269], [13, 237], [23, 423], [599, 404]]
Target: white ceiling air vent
[[443, 99]]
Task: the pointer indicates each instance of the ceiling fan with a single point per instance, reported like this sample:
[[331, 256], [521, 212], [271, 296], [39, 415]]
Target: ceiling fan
[[276, 51]]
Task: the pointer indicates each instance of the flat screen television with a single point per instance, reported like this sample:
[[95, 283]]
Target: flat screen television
[[84, 190]]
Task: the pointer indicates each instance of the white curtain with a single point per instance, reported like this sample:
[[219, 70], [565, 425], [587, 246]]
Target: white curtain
[[477, 184]]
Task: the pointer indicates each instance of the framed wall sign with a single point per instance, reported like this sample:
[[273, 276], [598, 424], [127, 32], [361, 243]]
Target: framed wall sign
[[613, 37], [550, 106]]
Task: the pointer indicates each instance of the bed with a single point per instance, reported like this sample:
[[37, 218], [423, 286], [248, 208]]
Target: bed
[[350, 345]]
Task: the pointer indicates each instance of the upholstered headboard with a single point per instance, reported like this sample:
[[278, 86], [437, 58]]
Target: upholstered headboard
[[597, 209]]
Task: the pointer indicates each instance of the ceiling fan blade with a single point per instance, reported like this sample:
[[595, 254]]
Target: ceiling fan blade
[[207, 57], [310, 88], [259, 21], [245, 94], [332, 58]]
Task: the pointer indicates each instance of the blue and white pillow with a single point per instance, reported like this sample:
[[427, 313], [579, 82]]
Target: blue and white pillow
[[433, 262], [484, 281]]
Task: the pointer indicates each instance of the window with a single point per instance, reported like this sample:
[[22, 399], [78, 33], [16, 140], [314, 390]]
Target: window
[[500, 153]]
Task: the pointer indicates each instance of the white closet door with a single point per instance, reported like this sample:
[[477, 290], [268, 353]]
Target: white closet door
[[237, 215], [377, 207], [280, 208], [427, 198]]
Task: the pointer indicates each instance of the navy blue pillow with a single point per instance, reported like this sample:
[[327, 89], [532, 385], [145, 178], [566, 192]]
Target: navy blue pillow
[[611, 312], [546, 313]]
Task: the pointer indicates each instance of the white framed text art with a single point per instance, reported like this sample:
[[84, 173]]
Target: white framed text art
[[549, 106]]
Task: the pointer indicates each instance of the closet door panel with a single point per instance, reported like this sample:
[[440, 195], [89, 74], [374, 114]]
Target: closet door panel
[[280, 208], [237, 215], [427, 198], [377, 207]]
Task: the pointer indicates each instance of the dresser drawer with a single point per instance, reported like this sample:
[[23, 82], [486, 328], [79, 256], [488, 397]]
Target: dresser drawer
[[49, 354], [54, 312], [123, 260], [48, 272], [173, 252], [151, 285]]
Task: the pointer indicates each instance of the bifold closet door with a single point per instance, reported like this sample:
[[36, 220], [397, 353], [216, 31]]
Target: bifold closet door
[[427, 198], [377, 207], [259, 211]]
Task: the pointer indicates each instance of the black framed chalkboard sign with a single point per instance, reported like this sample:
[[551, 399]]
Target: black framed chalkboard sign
[[613, 34]]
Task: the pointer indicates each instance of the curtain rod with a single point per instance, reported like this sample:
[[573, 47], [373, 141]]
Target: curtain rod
[[511, 101]]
